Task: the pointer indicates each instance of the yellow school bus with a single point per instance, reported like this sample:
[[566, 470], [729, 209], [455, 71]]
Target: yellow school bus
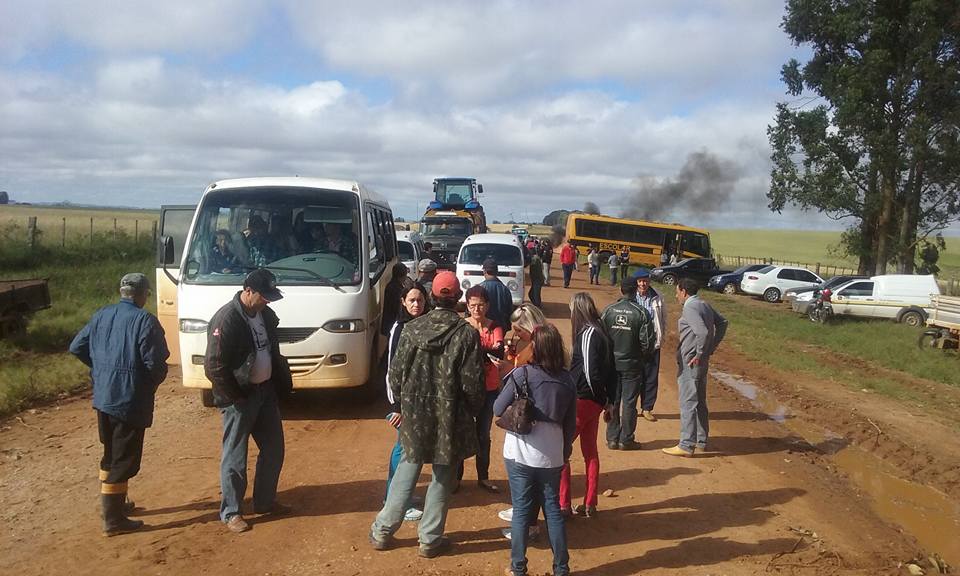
[[649, 243]]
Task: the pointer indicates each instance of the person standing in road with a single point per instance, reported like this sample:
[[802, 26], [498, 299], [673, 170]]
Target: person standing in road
[[437, 372], [624, 262], [631, 330], [546, 254], [413, 304], [701, 329], [592, 370], [427, 270], [534, 461], [536, 280], [501, 301], [391, 297], [593, 261], [614, 263], [248, 373], [124, 347], [652, 303], [492, 345], [568, 260]]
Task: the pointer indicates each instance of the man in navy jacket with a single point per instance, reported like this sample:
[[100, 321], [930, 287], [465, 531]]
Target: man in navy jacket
[[124, 347]]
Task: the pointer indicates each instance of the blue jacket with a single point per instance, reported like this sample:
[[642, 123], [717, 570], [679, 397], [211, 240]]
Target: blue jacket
[[501, 302], [554, 399], [124, 347]]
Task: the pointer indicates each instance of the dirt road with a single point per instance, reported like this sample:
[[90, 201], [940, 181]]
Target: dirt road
[[765, 501]]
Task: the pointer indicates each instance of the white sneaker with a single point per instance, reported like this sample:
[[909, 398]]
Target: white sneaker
[[413, 515], [506, 515], [531, 534]]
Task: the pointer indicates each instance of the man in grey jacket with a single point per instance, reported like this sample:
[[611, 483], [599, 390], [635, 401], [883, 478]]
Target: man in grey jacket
[[701, 329]]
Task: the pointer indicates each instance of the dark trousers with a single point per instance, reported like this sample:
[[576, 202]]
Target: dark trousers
[[484, 422], [535, 294], [623, 421], [568, 274], [122, 449], [651, 382]]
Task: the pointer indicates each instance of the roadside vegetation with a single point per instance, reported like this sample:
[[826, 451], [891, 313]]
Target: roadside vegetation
[[36, 366]]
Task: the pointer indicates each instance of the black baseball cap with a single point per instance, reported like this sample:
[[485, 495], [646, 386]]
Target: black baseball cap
[[264, 283]]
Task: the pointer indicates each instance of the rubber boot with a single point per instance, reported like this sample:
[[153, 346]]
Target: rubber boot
[[129, 506], [114, 521]]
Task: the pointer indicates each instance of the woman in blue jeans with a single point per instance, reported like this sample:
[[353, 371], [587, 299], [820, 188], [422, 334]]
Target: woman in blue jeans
[[535, 461], [413, 303]]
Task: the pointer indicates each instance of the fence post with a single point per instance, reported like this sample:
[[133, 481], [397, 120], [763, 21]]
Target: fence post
[[154, 228], [32, 232], [91, 233], [63, 233], [114, 228], [136, 231]]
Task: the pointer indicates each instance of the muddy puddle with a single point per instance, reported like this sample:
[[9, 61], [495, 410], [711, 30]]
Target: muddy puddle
[[927, 514]]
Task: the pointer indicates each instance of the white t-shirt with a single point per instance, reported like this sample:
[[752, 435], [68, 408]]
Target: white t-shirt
[[262, 368], [541, 448]]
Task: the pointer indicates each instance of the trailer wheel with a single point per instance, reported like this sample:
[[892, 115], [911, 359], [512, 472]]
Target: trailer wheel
[[929, 339]]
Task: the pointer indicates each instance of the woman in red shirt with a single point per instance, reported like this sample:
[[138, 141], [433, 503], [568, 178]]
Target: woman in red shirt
[[491, 341]]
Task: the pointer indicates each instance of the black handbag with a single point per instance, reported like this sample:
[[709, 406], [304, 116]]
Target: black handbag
[[518, 417]]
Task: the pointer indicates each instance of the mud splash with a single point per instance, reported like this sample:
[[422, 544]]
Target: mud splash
[[927, 514]]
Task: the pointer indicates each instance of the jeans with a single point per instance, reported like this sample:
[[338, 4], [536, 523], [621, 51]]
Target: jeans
[[435, 505], [257, 416], [694, 416], [396, 454], [651, 382], [623, 421], [588, 420], [527, 486], [484, 422], [613, 276], [568, 274], [595, 275], [535, 294], [546, 273]]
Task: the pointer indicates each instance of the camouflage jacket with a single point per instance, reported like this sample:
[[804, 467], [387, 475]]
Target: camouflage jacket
[[437, 372]]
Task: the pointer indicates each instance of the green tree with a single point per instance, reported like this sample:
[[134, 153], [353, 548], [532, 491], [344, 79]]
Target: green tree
[[881, 145]]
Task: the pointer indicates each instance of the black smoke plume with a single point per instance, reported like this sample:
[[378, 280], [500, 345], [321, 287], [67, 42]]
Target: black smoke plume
[[703, 185], [591, 208]]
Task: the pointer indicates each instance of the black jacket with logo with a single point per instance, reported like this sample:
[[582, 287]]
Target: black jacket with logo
[[631, 329], [231, 353], [592, 366]]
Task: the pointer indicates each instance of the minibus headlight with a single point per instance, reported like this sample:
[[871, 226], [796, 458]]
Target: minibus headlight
[[344, 326], [512, 286], [188, 326], [465, 284]]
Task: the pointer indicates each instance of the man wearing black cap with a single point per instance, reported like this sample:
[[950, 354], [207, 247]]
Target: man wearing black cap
[[248, 373], [124, 347], [501, 301]]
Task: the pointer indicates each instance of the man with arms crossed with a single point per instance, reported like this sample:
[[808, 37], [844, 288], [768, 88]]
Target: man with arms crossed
[[701, 330]]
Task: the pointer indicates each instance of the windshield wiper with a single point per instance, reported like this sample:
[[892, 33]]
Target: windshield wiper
[[323, 280]]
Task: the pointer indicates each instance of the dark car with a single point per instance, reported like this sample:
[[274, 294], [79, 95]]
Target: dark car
[[700, 269], [730, 283]]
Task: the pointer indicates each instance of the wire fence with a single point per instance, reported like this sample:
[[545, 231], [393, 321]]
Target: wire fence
[[948, 285]]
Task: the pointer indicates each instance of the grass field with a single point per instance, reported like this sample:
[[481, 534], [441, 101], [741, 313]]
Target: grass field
[[61, 224], [808, 247]]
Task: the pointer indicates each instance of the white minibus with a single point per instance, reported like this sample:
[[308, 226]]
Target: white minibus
[[329, 243], [505, 249]]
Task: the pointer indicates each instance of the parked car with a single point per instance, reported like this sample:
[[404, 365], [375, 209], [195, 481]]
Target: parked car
[[800, 299], [410, 250], [730, 283], [504, 249], [770, 282], [700, 269], [901, 297]]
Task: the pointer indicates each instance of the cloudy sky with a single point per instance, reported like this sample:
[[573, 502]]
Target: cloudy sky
[[548, 104]]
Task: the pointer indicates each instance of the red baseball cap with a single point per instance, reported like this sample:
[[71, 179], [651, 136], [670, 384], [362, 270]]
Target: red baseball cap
[[445, 285]]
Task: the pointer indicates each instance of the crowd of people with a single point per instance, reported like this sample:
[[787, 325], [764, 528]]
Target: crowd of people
[[448, 377]]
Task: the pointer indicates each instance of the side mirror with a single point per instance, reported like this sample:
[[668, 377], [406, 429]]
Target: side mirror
[[479, 188], [167, 251]]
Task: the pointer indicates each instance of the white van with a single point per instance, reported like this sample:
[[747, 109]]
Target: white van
[[901, 297], [505, 249], [410, 250]]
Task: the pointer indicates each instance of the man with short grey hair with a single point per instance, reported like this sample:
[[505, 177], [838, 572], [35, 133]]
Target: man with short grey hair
[[125, 348], [701, 330]]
